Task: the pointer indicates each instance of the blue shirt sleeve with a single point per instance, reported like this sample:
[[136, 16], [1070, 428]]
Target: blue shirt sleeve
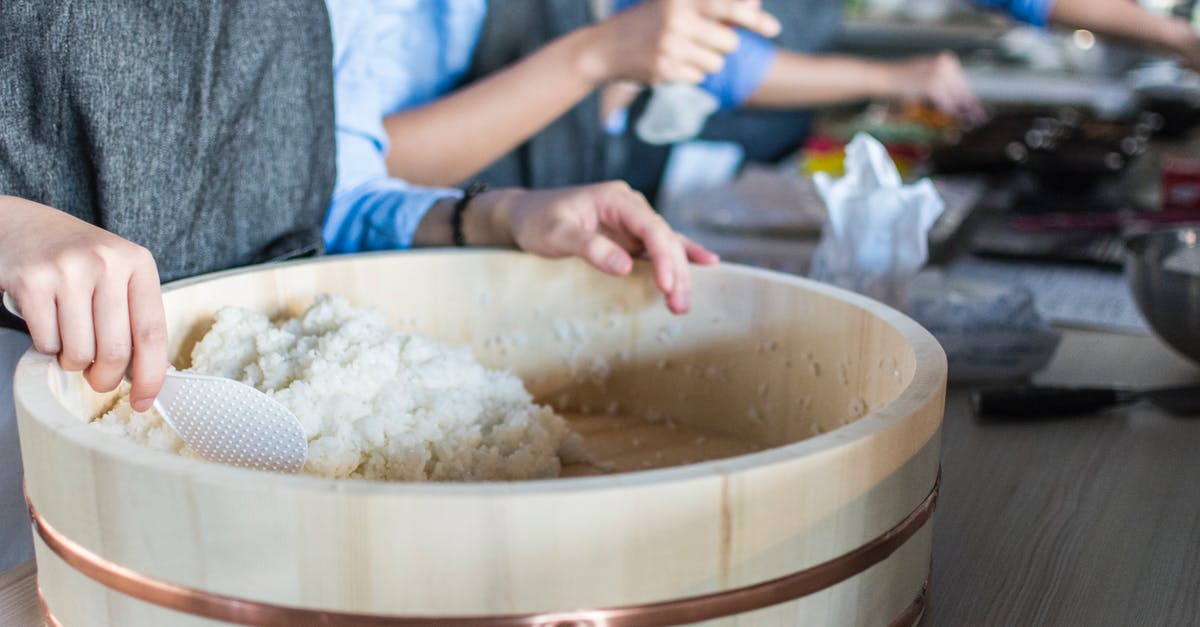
[[378, 214], [369, 209], [744, 70], [1036, 12], [373, 76]]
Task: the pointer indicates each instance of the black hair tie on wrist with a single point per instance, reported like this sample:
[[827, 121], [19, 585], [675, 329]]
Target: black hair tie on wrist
[[456, 218]]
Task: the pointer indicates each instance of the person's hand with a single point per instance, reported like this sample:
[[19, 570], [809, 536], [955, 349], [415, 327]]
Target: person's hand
[[671, 41], [607, 224], [1189, 52], [1181, 39], [88, 296], [938, 80]]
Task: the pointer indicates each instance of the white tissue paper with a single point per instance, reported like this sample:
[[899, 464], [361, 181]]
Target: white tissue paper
[[875, 236], [676, 112]]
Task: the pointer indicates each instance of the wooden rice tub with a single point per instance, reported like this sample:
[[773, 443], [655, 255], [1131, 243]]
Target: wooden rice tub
[[828, 524]]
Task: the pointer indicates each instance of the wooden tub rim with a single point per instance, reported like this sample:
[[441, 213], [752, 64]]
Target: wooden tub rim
[[33, 390]]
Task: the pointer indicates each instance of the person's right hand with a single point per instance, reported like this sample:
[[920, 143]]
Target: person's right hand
[[671, 41], [88, 296], [606, 224], [938, 80], [1183, 40]]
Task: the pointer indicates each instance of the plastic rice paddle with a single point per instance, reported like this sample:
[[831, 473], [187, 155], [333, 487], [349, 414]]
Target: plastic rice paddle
[[227, 421]]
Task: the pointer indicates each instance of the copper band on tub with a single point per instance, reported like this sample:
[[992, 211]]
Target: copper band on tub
[[916, 610], [908, 618], [679, 611]]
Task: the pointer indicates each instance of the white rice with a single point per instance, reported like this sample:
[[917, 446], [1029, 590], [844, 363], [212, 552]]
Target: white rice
[[375, 403]]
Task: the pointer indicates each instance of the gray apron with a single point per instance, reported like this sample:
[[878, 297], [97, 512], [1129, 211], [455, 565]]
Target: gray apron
[[200, 130], [575, 149], [16, 542], [572, 149]]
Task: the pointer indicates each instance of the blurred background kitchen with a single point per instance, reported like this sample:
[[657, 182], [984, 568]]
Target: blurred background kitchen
[[1086, 140]]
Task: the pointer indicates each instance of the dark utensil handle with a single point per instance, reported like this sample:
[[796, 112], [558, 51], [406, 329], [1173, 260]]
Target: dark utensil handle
[[1044, 402]]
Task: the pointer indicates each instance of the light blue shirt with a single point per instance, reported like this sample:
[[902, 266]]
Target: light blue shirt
[[391, 55]]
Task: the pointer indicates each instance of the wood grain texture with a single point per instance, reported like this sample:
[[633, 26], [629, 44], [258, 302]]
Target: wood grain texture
[[18, 597], [1023, 535], [1080, 521], [616, 444], [846, 395]]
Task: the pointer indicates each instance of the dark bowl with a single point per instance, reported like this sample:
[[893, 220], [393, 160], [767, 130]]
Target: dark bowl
[[1178, 107], [1163, 270]]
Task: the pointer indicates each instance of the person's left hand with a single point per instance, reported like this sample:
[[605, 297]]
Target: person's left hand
[[1183, 41], [606, 224], [938, 80]]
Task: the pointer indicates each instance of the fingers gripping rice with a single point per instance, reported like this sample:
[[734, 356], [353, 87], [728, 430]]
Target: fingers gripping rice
[[375, 403]]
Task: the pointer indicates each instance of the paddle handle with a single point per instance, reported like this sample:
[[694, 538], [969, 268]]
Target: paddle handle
[[1044, 402]]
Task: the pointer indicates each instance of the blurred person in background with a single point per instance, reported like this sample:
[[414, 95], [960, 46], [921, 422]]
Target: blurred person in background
[[811, 26], [390, 55], [444, 92]]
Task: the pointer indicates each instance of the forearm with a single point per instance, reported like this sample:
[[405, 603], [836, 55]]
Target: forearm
[[379, 214], [486, 221], [796, 80], [451, 139], [1123, 19], [8, 208]]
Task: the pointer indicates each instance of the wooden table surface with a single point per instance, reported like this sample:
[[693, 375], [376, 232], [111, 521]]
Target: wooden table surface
[[1078, 521], [18, 597], [1081, 521]]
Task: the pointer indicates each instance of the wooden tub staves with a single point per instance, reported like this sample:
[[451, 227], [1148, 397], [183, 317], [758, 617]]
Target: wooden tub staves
[[827, 524]]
